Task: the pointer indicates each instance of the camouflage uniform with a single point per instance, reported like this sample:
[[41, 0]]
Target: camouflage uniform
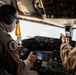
[[9, 59], [68, 56]]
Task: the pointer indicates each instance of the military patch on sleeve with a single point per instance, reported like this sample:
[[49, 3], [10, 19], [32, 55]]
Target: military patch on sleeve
[[13, 45]]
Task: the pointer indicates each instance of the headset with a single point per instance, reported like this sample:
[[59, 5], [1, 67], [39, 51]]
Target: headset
[[7, 13], [9, 19]]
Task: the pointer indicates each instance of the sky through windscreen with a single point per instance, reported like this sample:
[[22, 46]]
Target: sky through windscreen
[[30, 29]]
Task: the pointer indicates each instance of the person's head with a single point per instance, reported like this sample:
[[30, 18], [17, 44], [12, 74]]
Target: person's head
[[8, 17]]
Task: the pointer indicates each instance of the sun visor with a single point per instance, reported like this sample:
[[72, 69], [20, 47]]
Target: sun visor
[[26, 7]]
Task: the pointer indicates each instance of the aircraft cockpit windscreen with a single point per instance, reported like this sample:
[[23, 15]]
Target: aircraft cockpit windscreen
[[30, 29], [74, 35]]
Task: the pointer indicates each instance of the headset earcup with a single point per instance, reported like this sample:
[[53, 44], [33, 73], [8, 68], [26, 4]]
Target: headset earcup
[[9, 19]]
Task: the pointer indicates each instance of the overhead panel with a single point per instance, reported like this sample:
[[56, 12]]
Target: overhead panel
[[60, 8]]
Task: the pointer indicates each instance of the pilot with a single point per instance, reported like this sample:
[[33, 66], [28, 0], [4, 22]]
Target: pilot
[[9, 58], [68, 54]]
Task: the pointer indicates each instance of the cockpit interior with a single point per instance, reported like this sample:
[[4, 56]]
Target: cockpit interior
[[41, 23]]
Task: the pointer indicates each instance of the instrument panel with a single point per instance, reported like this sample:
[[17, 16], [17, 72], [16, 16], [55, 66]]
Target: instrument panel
[[47, 51]]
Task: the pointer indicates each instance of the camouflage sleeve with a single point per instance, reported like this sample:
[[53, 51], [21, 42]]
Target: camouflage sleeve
[[68, 54], [16, 65]]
